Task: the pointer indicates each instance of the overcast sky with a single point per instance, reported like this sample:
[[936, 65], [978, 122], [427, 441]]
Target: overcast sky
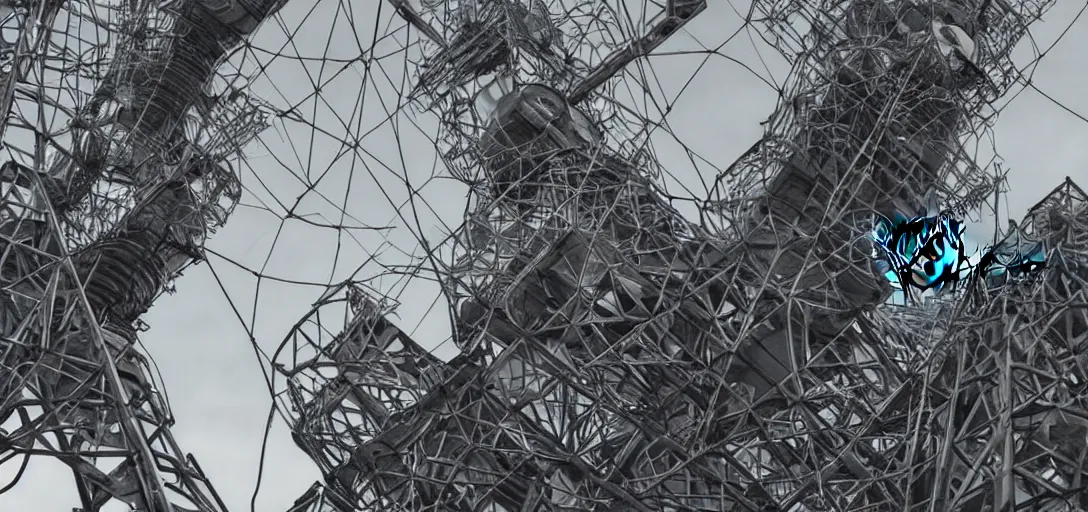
[[211, 372]]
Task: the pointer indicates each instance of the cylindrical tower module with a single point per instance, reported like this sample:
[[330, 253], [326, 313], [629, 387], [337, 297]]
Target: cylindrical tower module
[[614, 353]]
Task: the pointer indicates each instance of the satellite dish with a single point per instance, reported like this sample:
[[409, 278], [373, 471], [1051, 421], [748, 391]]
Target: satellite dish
[[953, 39]]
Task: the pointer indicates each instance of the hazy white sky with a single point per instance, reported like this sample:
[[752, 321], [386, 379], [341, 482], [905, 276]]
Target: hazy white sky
[[211, 372]]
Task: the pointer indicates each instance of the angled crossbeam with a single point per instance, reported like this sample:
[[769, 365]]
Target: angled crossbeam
[[406, 11], [677, 14]]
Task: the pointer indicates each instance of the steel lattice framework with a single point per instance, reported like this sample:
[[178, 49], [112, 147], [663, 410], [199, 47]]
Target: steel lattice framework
[[100, 210], [613, 353], [1004, 418], [617, 355]]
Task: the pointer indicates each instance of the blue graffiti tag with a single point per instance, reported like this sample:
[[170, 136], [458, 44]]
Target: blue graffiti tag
[[924, 252], [927, 252]]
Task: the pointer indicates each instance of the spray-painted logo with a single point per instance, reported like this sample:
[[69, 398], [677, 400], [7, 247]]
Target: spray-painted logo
[[927, 253]]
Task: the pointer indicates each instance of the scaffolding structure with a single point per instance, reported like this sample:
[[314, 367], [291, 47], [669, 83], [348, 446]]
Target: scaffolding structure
[[99, 212], [1005, 418], [614, 354]]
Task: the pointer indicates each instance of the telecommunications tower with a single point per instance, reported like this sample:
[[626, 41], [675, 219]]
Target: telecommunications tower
[[614, 353], [617, 348], [116, 170]]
